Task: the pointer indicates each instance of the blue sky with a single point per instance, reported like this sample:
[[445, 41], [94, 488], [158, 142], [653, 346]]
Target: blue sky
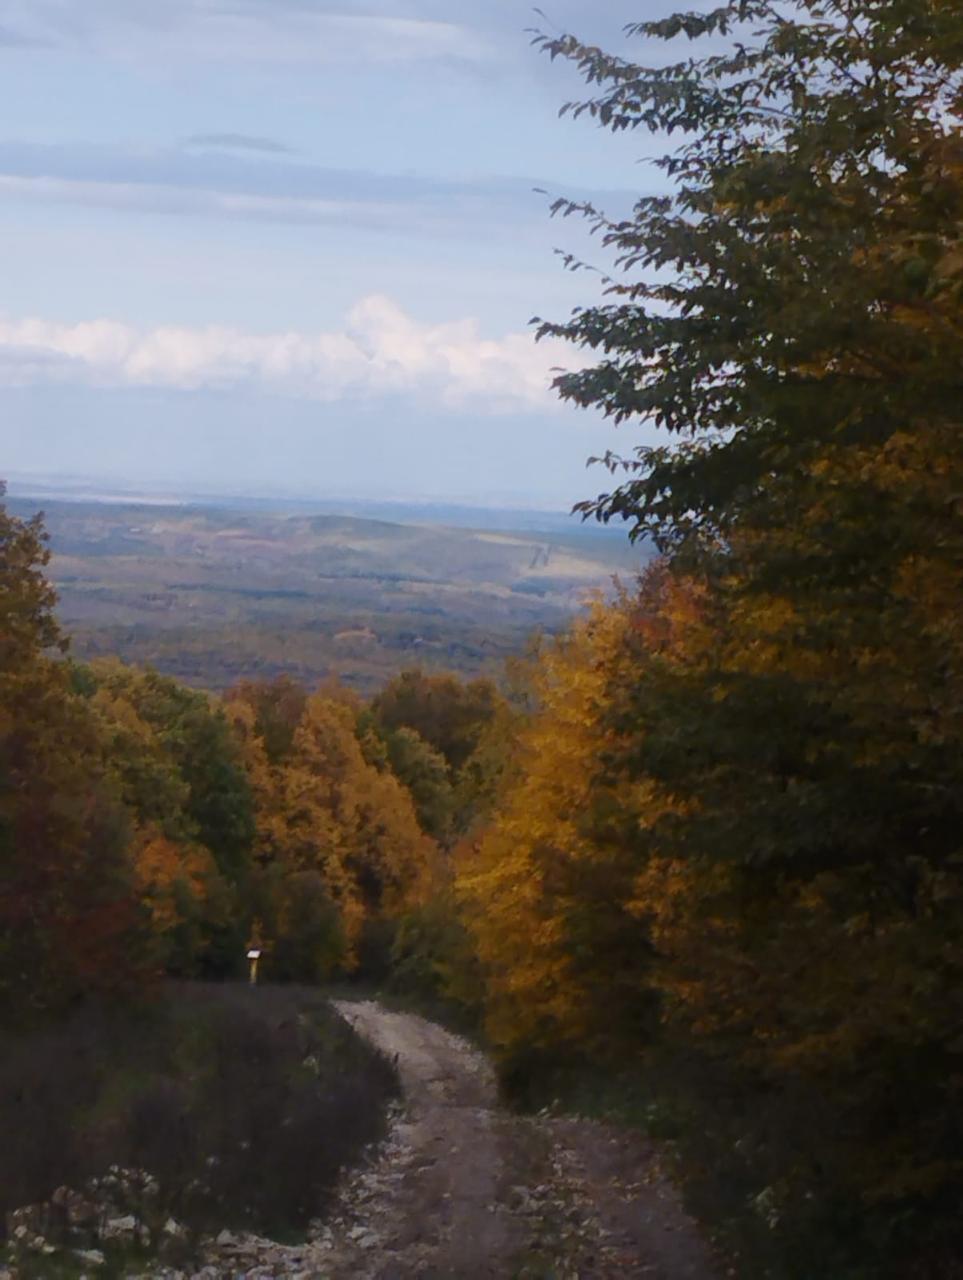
[[292, 245]]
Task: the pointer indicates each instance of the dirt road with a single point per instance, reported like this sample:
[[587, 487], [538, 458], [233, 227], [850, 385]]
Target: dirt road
[[464, 1189]]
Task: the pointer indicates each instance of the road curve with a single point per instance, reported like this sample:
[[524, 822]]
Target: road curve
[[464, 1189]]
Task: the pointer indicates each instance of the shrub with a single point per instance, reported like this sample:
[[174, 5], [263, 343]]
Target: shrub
[[244, 1103]]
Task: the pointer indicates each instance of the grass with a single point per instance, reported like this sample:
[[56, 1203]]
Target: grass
[[243, 1103]]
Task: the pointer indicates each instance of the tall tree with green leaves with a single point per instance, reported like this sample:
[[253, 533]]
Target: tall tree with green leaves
[[799, 284]]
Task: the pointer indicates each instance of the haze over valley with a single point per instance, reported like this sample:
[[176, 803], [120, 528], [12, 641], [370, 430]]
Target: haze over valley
[[215, 593]]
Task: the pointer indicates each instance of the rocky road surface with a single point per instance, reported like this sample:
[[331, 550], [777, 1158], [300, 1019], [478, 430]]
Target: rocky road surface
[[463, 1189]]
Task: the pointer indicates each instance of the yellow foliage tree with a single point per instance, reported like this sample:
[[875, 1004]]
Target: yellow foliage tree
[[543, 895], [323, 810]]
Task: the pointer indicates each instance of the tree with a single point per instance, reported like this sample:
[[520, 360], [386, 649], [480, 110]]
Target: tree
[[424, 772], [69, 923], [278, 706], [448, 741], [797, 332], [447, 713], [185, 898], [304, 925], [176, 763], [545, 891], [27, 623], [800, 287], [186, 733], [336, 825]]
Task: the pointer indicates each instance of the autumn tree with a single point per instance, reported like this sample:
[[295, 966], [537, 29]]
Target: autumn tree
[[334, 822], [789, 314], [447, 740], [424, 771], [69, 923], [178, 768], [546, 898], [184, 898], [447, 713], [278, 706]]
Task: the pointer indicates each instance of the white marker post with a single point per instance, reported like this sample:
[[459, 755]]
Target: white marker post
[[253, 955]]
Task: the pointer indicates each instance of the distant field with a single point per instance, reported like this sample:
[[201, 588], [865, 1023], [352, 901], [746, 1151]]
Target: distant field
[[211, 595]]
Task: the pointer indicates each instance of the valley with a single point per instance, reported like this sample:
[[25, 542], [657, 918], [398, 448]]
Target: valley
[[211, 595]]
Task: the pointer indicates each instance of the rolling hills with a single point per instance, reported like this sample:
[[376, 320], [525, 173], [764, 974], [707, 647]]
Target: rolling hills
[[211, 594]]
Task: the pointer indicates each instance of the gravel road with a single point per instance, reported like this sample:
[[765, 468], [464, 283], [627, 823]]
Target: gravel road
[[463, 1188]]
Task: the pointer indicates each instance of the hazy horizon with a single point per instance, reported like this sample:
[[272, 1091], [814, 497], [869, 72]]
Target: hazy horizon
[[65, 486]]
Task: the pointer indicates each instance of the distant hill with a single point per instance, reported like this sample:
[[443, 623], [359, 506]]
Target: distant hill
[[210, 594], [422, 511]]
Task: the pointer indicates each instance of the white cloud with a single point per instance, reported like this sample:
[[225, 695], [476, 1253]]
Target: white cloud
[[381, 351]]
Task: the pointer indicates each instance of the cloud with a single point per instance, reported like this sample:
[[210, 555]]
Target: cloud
[[380, 352], [236, 142], [488, 39], [259, 31], [144, 198], [255, 186]]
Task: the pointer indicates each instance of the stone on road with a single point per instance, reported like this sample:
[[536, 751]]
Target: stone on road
[[464, 1189]]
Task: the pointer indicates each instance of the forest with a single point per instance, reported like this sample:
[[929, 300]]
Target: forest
[[697, 857]]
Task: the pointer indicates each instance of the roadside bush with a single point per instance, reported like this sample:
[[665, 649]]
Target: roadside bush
[[243, 1103]]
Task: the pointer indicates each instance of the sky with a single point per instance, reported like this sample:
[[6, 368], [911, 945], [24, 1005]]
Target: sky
[[295, 246]]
